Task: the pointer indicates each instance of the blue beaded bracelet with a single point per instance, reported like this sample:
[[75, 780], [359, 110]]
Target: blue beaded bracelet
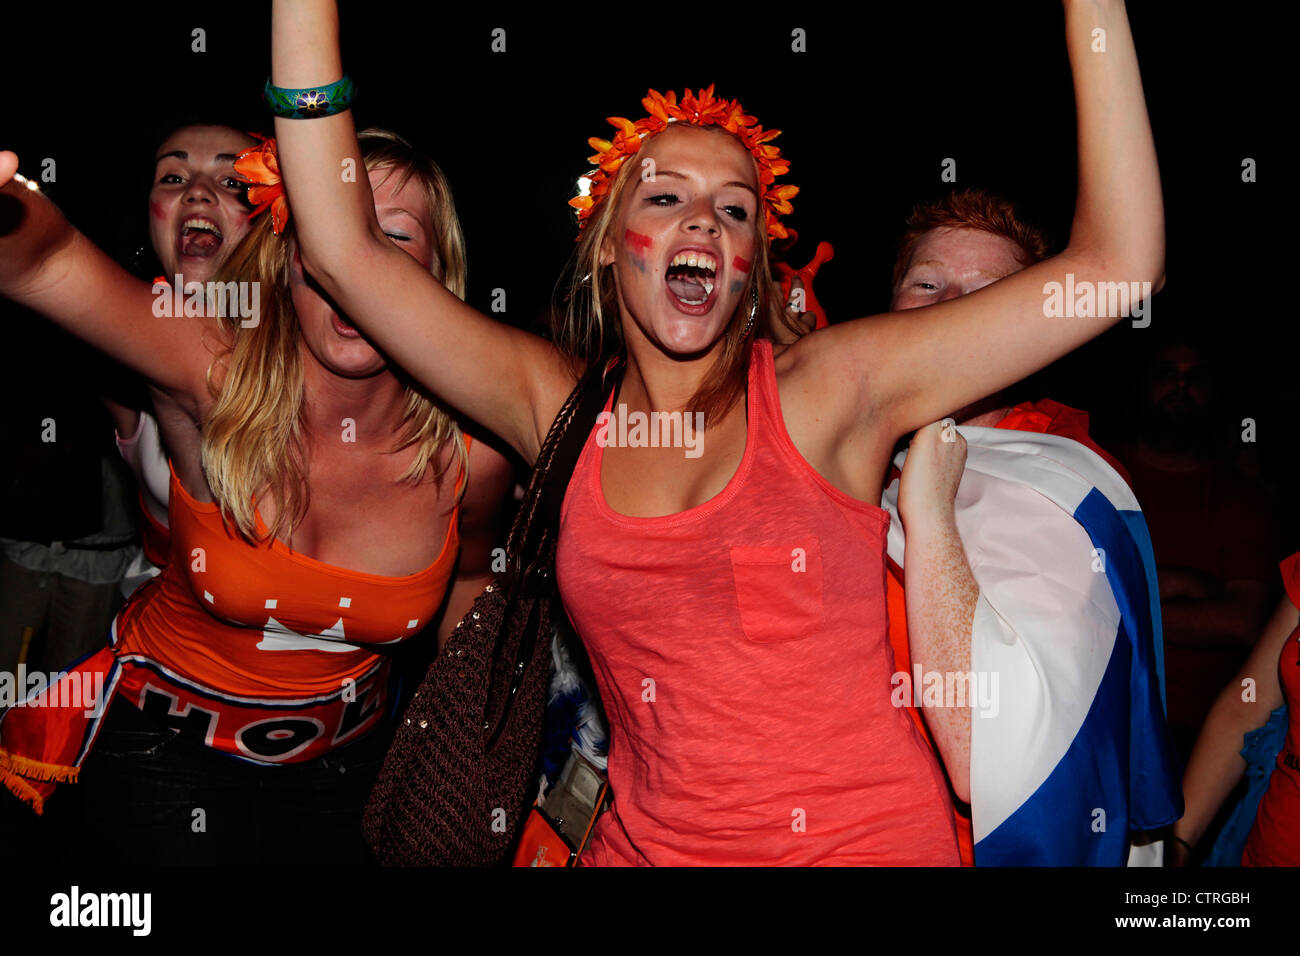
[[310, 103]]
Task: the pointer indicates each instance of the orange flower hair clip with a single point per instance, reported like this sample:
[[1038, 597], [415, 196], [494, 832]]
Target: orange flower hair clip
[[695, 109], [259, 167]]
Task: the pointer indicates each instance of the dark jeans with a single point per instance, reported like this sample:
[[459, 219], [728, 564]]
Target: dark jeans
[[149, 796]]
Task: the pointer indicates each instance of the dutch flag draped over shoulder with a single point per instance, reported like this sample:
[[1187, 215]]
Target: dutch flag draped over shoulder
[[1073, 755]]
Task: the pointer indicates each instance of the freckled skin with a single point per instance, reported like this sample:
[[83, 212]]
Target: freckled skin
[[949, 262], [941, 591]]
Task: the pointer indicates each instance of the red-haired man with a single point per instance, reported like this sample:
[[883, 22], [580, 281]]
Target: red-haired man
[[953, 247]]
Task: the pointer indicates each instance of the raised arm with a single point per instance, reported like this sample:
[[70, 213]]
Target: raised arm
[[913, 368], [50, 267], [508, 380]]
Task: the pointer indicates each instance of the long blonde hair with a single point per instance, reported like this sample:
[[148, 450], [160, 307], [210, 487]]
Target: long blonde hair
[[588, 327], [253, 437]]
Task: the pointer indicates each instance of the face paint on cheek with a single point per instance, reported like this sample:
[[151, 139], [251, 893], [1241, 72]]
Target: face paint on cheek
[[740, 264], [156, 210], [638, 247]]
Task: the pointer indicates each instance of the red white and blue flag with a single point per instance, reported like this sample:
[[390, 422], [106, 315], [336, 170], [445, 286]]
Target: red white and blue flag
[[1072, 757]]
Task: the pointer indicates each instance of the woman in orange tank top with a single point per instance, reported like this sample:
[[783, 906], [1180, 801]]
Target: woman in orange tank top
[[318, 503], [673, 269]]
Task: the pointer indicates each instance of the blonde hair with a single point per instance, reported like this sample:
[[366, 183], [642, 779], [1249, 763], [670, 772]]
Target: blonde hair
[[581, 328], [253, 436]]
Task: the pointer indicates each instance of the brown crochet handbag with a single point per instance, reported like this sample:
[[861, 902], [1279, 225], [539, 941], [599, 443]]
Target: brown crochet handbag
[[457, 781]]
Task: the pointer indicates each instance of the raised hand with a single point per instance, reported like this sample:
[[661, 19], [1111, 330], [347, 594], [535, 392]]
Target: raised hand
[[932, 472]]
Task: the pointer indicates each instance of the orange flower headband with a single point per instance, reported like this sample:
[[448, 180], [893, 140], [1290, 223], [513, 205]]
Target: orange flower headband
[[259, 167], [698, 109]]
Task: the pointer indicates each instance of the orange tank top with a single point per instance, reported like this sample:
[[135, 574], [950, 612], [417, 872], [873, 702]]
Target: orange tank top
[[155, 538], [239, 631]]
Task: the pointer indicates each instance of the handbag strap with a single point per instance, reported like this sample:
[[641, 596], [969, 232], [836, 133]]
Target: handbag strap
[[530, 547], [539, 513], [596, 389]]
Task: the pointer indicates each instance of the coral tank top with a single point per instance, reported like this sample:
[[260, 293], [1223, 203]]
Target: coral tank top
[[740, 651]]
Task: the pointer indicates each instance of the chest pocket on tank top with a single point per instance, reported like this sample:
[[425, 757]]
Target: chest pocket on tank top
[[778, 589]]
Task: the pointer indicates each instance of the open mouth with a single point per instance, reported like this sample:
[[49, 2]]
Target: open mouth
[[343, 327], [200, 237], [691, 277]]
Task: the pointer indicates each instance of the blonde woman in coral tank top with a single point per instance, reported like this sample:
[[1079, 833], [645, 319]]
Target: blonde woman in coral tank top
[[728, 582]]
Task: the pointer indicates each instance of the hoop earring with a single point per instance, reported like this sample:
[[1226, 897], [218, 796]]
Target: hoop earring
[[753, 311]]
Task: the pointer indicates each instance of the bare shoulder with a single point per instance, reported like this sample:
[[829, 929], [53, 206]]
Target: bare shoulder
[[833, 372], [825, 380], [553, 375]]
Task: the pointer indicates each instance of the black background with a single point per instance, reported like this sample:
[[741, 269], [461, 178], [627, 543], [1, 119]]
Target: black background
[[883, 94], [881, 97]]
